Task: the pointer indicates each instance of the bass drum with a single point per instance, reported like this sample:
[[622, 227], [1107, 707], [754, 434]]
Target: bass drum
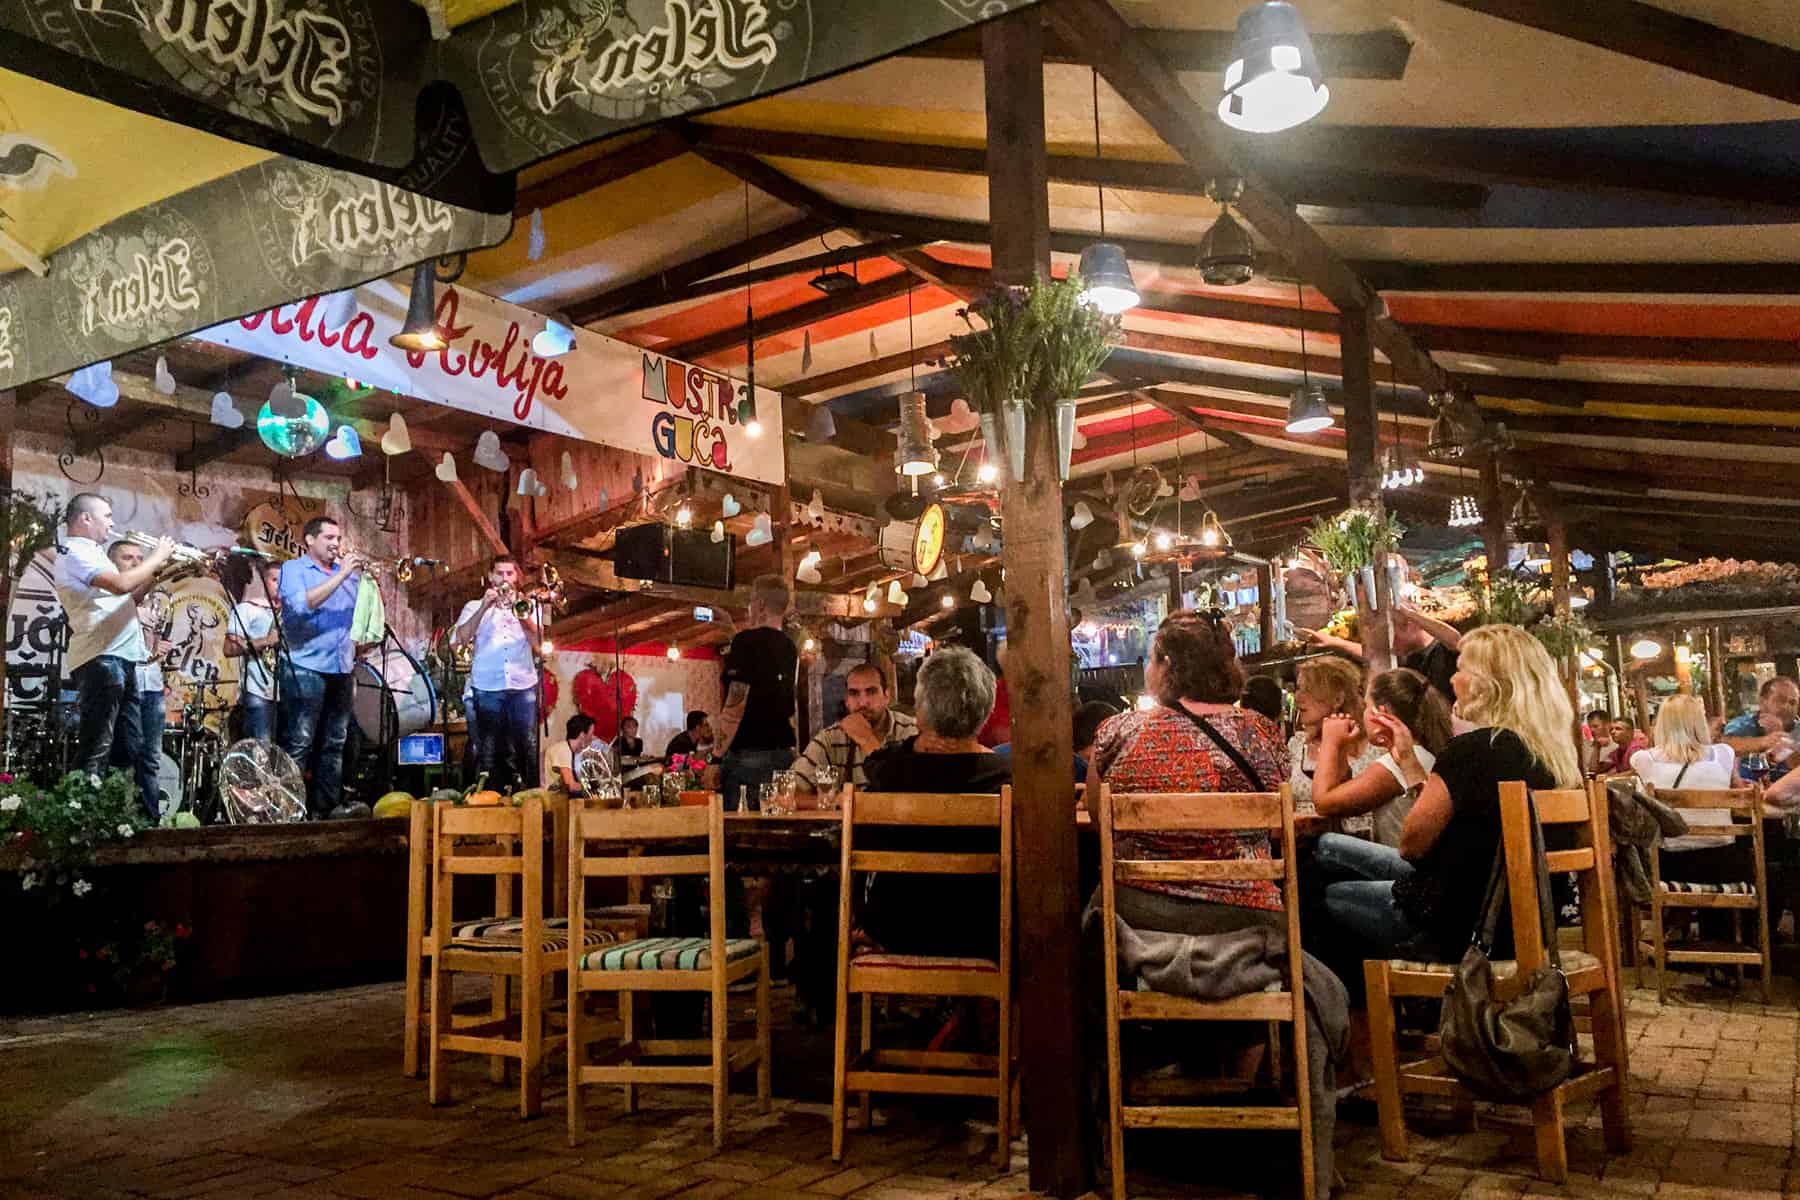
[[400, 686], [168, 782]]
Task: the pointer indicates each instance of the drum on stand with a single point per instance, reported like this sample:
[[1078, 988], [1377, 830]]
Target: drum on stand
[[401, 687], [168, 782]]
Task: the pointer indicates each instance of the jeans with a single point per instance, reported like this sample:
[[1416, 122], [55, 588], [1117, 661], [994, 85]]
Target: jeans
[[315, 720], [1361, 901], [507, 729], [752, 769], [147, 766], [108, 704], [258, 717]]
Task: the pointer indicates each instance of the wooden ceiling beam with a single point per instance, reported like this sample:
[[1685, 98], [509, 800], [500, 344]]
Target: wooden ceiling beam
[[1640, 278], [1657, 35], [651, 290], [1575, 393], [843, 256], [1376, 54], [873, 369], [764, 178], [1337, 189], [1134, 71], [659, 147], [798, 317]]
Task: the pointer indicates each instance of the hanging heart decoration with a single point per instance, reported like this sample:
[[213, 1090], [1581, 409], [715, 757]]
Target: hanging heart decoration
[[605, 698], [446, 469], [165, 382], [225, 411], [396, 440]]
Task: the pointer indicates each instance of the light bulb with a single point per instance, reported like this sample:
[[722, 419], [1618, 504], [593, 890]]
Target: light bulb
[[987, 472], [674, 653], [1163, 540], [937, 479], [809, 645], [1138, 549], [549, 647], [684, 516], [753, 429], [1646, 648], [948, 601]]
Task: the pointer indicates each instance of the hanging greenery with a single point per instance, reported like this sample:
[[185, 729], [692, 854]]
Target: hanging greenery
[[28, 523], [1355, 538], [1034, 344]]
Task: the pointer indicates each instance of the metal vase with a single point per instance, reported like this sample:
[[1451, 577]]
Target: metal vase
[[1368, 583], [1014, 412], [990, 436], [1350, 588], [1065, 437]]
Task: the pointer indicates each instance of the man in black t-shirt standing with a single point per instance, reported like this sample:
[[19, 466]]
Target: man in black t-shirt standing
[[755, 727], [1425, 644]]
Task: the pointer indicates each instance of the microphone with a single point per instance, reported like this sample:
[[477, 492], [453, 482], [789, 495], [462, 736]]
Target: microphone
[[424, 562], [245, 552]]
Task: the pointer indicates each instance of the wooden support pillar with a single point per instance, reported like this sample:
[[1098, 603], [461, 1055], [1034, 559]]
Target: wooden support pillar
[[1037, 638], [1265, 594], [1559, 601], [1493, 518], [1362, 449], [1717, 697]]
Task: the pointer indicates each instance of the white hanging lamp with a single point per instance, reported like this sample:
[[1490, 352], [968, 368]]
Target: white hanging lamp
[[1104, 269], [1273, 81]]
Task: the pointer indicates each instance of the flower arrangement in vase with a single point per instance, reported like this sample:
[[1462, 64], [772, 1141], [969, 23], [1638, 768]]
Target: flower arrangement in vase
[[1035, 345], [1352, 542]]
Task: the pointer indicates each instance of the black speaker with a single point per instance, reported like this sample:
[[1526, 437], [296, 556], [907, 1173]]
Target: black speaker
[[665, 554], [641, 552], [695, 560]]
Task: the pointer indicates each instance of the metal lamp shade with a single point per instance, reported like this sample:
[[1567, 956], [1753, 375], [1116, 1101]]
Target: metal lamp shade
[[915, 454], [1273, 81], [1227, 255], [1307, 412], [420, 331], [1107, 275]]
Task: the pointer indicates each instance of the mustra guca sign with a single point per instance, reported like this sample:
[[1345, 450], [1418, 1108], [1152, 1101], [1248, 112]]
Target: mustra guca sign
[[602, 390]]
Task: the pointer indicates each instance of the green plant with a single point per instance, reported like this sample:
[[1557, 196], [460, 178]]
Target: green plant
[[52, 834], [1355, 538], [1562, 636], [1034, 343], [136, 956], [28, 524]]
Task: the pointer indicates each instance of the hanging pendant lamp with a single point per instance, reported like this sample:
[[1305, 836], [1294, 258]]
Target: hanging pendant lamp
[[420, 332], [1307, 412], [1273, 81], [1104, 269]]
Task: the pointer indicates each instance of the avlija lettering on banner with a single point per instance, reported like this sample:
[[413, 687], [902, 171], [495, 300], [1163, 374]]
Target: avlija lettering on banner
[[150, 288], [301, 53], [696, 35], [525, 374], [6, 339]]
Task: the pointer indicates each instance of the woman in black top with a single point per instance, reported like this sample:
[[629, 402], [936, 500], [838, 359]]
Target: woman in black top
[[956, 915], [1424, 900]]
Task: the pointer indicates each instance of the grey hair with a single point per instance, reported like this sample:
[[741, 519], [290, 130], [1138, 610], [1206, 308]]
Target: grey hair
[[955, 693]]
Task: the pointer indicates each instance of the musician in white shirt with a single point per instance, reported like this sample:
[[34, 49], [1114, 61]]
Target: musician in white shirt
[[106, 640], [503, 672], [253, 637]]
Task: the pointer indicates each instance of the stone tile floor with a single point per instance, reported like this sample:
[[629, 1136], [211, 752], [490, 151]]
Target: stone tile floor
[[301, 1097]]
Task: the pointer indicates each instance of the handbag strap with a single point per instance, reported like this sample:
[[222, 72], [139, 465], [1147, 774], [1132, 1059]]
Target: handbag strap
[[1679, 776], [1494, 906], [1237, 760]]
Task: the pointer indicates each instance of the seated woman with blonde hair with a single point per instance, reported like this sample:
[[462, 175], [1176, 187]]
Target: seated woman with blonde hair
[[1684, 755], [1326, 687], [1424, 898]]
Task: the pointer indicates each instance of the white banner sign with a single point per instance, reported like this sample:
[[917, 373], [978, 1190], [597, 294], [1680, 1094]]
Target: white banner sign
[[603, 391]]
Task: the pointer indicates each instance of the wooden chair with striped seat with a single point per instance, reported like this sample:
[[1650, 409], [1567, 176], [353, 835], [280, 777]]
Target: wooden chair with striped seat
[[1592, 971], [621, 922], [1744, 809], [924, 1072], [708, 964], [523, 951], [1127, 813]]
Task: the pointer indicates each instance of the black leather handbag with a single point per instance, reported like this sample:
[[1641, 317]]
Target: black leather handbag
[[1515, 1050]]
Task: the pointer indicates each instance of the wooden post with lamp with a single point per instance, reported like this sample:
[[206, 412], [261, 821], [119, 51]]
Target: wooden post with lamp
[[1362, 454]]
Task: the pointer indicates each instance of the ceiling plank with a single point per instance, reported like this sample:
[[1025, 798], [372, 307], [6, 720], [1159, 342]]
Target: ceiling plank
[[660, 147], [842, 256], [648, 292], [873, 369], [1575, 393], [1669, 39], [1640, 278], [792, 318]]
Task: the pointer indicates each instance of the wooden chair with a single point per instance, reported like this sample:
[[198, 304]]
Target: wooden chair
[[1121, 813], [1749, 895], [623, 922], [525, 951], [673, 964], [1591, 971], [924, 1072]]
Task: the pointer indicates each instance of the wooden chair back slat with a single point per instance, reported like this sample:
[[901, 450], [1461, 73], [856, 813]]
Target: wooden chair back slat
[[916, 863], [639, 824], [1561, 806], [1196, 812], [458, 821], [925, 808], [1742, 802], [1137, 870]]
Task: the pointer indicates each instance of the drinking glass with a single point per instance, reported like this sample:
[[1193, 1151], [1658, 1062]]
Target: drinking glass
[[765, 797], [825, 782]]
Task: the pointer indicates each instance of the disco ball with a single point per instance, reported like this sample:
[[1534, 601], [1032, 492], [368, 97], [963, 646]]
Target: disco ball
[[294, 437]]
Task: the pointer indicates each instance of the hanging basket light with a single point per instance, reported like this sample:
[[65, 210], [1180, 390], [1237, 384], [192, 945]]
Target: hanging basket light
[[1464, 511], [1273, 81]]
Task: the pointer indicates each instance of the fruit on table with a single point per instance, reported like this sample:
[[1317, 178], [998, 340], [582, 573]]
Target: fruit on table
[[446, 795], [394, 804], [539, 794], [486, 798]]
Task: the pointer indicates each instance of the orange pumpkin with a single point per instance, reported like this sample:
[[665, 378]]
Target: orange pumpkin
[[484, 799]]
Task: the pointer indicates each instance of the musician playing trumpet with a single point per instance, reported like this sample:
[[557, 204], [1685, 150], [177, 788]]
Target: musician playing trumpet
[[254, 638], [106, 640], [504, 675], [314, 681]]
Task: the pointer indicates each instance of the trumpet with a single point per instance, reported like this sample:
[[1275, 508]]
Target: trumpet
[[524, 601], [401, 568], [185, 561]]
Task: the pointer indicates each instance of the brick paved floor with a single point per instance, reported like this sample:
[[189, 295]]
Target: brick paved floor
[[301, 1096]]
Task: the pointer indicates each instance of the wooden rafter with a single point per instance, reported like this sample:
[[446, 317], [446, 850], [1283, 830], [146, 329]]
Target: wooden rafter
[[659, 147], [797, 317], [1375, 54], [647, 292], [1626, 278]]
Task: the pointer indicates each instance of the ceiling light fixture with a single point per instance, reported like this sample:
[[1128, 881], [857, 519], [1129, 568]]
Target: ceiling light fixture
[[1307, 412], [833, 281], [1646, 648], [1465, 510], [420, 333], [1227, 255], [1273, 81], [1104, 268]]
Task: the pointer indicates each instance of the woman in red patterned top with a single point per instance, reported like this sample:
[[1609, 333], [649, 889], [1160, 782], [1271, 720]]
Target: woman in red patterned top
[[1195, 740]]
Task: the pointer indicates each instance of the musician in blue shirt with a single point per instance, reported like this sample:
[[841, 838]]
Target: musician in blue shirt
[[316, 612]]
